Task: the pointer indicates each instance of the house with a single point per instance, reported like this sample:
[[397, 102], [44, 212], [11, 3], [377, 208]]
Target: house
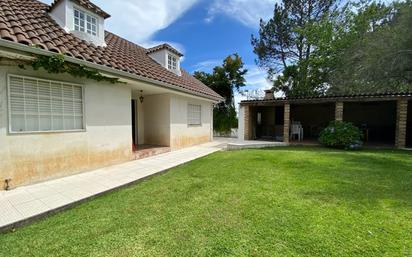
[[56, 124], [384, 118]]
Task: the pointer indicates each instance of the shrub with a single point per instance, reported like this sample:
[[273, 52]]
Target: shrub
[[341, 135]]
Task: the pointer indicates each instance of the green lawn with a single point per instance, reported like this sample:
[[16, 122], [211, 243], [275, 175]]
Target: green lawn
[[278, 202]]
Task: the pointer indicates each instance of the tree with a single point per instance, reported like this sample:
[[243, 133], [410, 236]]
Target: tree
[[284, 45], [378, 57], [224, 80]]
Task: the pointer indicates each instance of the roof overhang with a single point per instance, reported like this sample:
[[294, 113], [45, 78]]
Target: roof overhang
[[164, 46], [92, 7], [331, 99], [104, 69]]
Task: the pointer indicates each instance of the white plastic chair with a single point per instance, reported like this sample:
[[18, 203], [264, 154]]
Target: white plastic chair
[[296, 129]]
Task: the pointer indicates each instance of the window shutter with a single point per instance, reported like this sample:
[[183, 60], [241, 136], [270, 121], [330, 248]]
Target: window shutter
[[194, 114], [41, 105]]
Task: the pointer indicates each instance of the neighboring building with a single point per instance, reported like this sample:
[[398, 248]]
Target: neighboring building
[[53, 125], [385, 119]]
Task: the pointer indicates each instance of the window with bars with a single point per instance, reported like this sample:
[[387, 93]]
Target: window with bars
[[171, 62], [85, 22], [194, 114], [43, 105]]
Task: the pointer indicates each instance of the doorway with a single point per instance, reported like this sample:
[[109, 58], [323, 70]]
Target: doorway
[[134, 124], [269, 123], [376, 119]]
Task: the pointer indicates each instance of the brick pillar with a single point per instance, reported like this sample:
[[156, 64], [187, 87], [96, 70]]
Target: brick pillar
[[247, 120], [339, 111], [401, 120], [286, 124]]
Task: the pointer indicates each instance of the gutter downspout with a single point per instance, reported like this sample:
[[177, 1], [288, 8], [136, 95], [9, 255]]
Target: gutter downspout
[[28, 49]]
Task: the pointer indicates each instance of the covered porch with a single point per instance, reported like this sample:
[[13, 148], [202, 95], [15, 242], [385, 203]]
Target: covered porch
[[385, 120], [150, 119]]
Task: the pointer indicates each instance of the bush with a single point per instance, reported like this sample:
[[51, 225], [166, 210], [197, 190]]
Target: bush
[[224, 119], [341, 135]]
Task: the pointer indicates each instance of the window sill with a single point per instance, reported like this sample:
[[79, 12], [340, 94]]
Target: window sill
[[13, 133]]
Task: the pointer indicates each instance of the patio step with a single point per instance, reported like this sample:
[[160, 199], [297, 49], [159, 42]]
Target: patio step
[[146, 152]]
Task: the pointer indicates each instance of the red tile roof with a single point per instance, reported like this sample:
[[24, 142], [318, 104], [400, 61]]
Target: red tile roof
[[334, 97], [27, 22], [87, 5]]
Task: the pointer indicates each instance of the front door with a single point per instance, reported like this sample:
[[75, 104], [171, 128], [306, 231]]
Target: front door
[[134, 123]]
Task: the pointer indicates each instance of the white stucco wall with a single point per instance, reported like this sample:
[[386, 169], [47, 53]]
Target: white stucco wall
[[107, 139], [181, 133], [241, 123], [160, 57], [157, 119], [27, 158]]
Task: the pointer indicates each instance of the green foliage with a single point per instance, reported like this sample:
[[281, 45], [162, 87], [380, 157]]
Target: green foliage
[[340, 135], [356, 47], [225, 80], [378, 56], [224, 118], [284, 46], [56, 64]]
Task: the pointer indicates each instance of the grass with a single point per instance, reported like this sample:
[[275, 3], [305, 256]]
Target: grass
[[295, 201]]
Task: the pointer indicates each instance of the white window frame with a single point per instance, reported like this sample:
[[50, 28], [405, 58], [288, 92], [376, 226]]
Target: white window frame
[[189, 122], [10, 130], [171, 62], [87, 16]]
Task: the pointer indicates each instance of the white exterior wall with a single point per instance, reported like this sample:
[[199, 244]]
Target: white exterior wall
[[241, 123], [157, 119], [181, 133], [27, 158], [160, 57]]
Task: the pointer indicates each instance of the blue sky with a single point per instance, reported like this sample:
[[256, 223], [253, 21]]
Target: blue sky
[[206, 31]]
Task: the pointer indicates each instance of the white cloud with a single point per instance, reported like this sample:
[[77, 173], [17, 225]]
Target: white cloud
[[256, 78], [139, 20], [248, 12], [255, 81], [206, 66]]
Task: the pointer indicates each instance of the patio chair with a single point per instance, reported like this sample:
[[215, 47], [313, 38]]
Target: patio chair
[[296, 129]]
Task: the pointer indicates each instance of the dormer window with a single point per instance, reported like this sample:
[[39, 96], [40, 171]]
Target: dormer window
[[166, 56], [81, 18], [171, 62], [85, 22]]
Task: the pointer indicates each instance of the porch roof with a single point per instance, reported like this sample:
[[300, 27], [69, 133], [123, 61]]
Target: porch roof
[[364, 97]]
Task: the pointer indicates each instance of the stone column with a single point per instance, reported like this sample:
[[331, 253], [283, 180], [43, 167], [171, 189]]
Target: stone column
[[339, 111], [286, 124], [401, 120], [246, 123]]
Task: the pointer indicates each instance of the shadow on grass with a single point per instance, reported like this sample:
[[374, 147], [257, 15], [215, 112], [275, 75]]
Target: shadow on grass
[[366, 179], [336, 150]]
